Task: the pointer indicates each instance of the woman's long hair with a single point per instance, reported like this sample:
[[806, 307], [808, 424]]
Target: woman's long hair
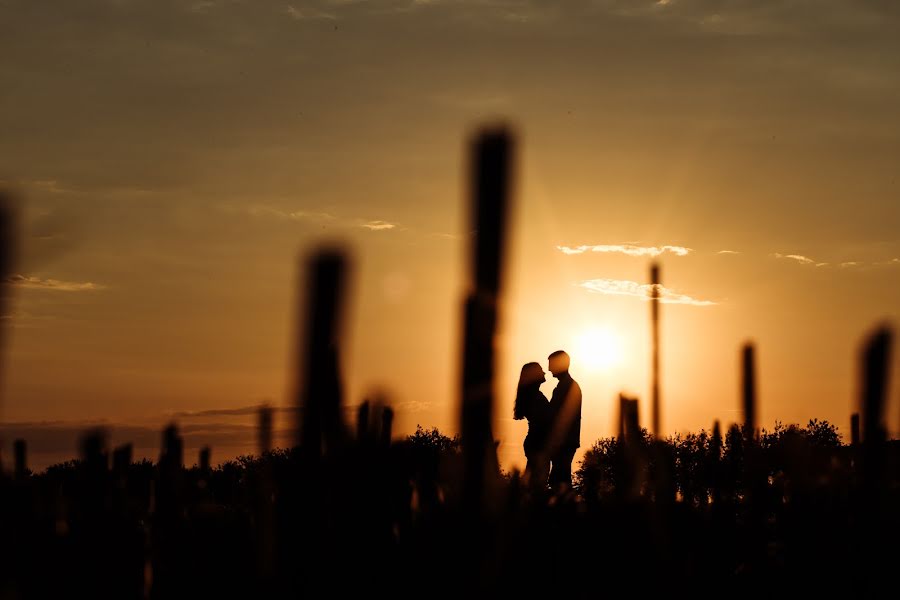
[[530, 379]]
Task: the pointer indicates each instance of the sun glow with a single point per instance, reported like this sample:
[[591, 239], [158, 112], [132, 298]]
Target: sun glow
[[598, 348]]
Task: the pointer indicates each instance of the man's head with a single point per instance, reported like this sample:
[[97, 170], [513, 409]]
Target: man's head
[[559, 363]]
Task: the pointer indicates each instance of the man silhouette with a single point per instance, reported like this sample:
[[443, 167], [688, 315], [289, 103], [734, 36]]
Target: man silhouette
[[565, 407]]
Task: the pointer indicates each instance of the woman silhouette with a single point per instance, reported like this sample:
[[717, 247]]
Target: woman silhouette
[[531, 404]]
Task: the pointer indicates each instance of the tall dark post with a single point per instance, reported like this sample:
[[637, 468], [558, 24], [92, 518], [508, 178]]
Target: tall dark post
[[715, 456], [716, 442], [623, 404], [20, 458], [265, 536], [754, 469], [654, 319], [490, 193], [387, 425], [632, 422], [630, 476], [95, 456], [94, 473], [875, 370], [874, 561], [172, 448], [663, 479], [168, 568], [92, 505], [875, 362], [748, 386], [319, 397], [205, 454], [854, 429], [264, 423]]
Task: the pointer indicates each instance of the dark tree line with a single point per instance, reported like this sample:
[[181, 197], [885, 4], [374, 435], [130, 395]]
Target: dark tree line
[[706, 465]]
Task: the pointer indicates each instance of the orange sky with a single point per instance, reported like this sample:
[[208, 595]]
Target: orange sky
[[175, 158]]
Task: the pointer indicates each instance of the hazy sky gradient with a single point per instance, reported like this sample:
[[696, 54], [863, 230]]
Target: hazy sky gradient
[[176, 158]]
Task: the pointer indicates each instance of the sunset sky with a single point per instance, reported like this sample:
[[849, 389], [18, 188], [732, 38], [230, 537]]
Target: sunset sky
[[175, 159]]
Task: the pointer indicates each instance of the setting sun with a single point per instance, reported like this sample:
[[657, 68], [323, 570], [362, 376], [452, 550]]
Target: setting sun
[[599, 349]]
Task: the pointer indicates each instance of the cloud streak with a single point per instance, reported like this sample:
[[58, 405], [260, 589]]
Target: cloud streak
[[297, 215], [36, 283], [241, 411], [847, 264], [319, 217], [252, 410], [378, 225], [624, 287], [308, 13], [803, 260], [627, 249]]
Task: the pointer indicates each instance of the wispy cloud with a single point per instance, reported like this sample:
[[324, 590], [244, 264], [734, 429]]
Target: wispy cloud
[[36, 283], [51, 186], [628, 249], [308, 13], [252, 410], [447, 236], [624, 287], [25, 320], [378, 225], [301, 215], [296, 215], [201, 6], [222, 412], [803, 260], [847, 264], [319, 217], [728, 252], [48, 185]]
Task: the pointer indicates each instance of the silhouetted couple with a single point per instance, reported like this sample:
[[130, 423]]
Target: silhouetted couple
[[554, 426]]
